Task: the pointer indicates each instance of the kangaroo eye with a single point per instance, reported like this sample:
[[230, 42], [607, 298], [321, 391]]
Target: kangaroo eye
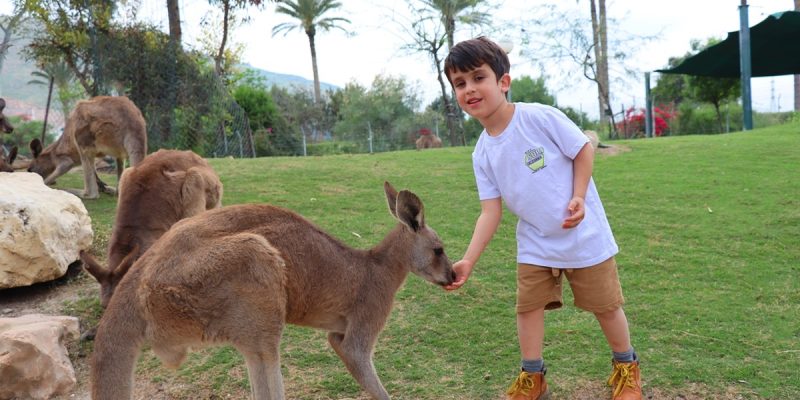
[[438, 251]]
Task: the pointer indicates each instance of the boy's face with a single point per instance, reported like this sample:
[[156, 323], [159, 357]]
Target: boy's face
[[479, 92]]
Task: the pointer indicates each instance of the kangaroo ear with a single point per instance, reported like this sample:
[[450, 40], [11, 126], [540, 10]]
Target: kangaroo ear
[[193, 193], [410, 210], [12, 155], [213, 188], [124, 265], [36, 147], [93, 268], [391, 198]]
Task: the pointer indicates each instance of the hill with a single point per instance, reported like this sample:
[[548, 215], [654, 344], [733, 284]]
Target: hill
[[287, 80]]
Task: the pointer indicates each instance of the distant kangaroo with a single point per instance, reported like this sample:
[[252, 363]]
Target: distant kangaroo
[[99, 126], [5, 126], [165, 187], [238, 274]]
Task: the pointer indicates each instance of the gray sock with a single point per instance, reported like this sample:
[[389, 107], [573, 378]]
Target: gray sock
[[533, 366], [625, 357]]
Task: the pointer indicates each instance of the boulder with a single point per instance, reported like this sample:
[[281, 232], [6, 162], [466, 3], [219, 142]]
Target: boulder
[[42, 230], [33, 357], [594, 139]]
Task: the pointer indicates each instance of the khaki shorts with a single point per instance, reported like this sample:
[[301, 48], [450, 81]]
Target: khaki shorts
[[596, 288]]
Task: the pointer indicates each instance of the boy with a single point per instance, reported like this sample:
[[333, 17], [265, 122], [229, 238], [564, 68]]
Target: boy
[[540, 163]]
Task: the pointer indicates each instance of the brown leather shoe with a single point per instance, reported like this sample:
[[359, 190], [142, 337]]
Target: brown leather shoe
[[626, 380], [529, 387]]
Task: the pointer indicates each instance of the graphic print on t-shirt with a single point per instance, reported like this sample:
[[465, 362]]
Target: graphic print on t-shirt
[[534, 159]]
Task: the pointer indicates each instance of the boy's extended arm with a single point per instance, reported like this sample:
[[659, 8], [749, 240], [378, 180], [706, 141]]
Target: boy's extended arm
[[582, 167], [485, 227]]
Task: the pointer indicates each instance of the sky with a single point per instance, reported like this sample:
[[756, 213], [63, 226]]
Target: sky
[[374, 43]]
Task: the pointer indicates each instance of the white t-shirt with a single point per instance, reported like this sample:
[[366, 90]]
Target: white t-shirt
[[529, 166]]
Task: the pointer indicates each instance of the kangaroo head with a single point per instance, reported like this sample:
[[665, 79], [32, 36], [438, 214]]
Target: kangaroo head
[[426, 252], [42, 163]]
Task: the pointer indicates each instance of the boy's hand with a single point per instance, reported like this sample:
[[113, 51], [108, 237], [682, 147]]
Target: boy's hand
[[576, 213], [463, 269]]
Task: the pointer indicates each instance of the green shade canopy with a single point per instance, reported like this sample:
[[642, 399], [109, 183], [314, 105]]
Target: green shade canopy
[[774, 50]]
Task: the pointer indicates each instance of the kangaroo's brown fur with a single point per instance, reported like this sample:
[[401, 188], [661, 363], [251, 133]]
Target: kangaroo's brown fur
[[428, 141], [237, 274], [97, 127], [5, 126], [6, 162], [165, 187]]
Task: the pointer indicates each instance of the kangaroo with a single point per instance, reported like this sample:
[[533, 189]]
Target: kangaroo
[[100, 126], [238, 274], [5, 126], [6, 162], [165, 187], [428, 140]]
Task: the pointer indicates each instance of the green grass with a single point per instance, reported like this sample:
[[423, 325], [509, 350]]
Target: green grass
[[709, 231]]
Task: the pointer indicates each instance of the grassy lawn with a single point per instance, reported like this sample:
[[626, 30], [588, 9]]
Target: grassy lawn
[[709, 231]]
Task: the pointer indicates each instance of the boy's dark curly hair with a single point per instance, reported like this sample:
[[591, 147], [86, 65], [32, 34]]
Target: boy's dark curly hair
[[471, 54]]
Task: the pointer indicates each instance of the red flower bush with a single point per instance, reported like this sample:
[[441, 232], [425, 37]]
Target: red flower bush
[[633, 125]]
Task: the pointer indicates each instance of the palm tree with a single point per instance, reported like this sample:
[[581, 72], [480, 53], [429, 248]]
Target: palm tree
[[64, 80], [309, 16], [451, 11]]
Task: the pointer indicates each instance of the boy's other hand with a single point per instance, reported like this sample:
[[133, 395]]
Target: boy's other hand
[[576, 213], [463, 269]]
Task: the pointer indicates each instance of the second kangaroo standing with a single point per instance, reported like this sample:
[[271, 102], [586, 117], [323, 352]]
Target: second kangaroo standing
[[238, 274]]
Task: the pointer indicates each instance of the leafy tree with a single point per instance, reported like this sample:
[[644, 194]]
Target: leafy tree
[[310, 18], [308, 120], [386, 109], [75, 33], [272, 133], [716, 91], [526, 89]]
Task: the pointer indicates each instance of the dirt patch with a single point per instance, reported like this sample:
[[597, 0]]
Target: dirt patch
[[612, 150], [47, 297]]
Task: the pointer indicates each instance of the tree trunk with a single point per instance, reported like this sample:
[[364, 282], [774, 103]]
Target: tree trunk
[[600, 39], [311, 43], [449, 107], [226, 7], [174, 12], [797, 76]]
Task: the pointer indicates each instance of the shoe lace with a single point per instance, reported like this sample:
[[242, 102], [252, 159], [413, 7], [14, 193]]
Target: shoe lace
[[622, 377], [524, 384]]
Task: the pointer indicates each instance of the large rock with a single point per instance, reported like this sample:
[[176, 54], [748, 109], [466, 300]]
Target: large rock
[[42, 230], [33, 357], [594, 139]]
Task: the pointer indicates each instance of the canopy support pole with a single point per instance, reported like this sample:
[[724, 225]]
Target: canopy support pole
[[746, 68], [648, 107]]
